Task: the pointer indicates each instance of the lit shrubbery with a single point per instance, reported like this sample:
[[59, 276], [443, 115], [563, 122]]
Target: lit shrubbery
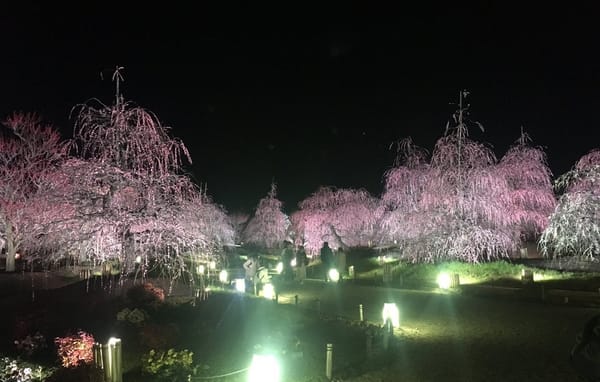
[[75, 349], [168, 365], [12, 370]]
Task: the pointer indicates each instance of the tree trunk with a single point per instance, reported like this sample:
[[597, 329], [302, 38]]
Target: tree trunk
[[11, 249]]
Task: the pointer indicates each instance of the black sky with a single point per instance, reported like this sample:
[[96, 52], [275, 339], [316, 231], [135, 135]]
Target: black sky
[[310, 96]]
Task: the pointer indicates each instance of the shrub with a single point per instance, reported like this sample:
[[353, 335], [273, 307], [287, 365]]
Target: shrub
[[135, 316], [145, 294], [169, 365], [30, 344], [155, 336], [75, 349], [12, 370], [82, 372]]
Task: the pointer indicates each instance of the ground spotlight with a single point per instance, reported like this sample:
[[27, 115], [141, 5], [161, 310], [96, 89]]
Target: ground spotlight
[[334, 275], [444, 281], [264, 368], [390, 312], [223, 276], [240, 285]]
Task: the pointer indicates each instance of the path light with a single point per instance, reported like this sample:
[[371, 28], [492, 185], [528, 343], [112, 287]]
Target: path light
[[200, 269], [268, 291], [240, 285], [293, 263], [212, 265], [279, 267], [264, 368], [223, 276], [334, 275], [138, 259], [390, 312], [444, 280]]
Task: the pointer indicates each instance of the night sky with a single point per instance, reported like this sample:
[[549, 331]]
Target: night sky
[[308, 96]]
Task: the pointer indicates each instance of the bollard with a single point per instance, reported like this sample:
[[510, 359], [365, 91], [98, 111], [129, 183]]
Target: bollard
[[360, 312], [329, 361], [543, 293], [276, 298], [296, 300], [108, 357]]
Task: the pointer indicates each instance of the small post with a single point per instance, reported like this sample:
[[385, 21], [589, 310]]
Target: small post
[[329, 361], [276, 297], [351, 272], [296, 300], [386, 336], [360, 313], [543, 293]]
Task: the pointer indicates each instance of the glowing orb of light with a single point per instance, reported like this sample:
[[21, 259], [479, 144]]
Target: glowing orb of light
[[279, 267], [293, 262], [212, 265], [200, 269]]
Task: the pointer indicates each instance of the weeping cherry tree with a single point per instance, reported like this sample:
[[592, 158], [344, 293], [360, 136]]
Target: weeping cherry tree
[[574, 227], [269, 226]]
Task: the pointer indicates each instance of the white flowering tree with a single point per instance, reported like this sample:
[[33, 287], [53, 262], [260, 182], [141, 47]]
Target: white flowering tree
[[531, 198], [29, 149], [574, 227], [269, 226], [342, 217], [125, 198]]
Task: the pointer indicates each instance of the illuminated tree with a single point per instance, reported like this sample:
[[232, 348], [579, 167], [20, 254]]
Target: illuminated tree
[[574, 227], [268, 228], [531, 198], [405, 184], [342, 217], [126, 198], [454, 208], [29, 150]]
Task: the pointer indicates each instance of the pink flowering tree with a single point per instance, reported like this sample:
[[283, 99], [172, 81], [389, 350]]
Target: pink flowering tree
[[574, 227], [29, 150], [531, 198], [269, 226], [400, 206], [455, 207], [342, 217]]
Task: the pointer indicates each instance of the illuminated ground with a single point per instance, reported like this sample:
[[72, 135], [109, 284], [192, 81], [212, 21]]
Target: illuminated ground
[[443, 337]]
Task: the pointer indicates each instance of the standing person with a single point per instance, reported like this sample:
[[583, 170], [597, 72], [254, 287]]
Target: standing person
[[250, 266], [286, 258], [326, 258], [301, 263]]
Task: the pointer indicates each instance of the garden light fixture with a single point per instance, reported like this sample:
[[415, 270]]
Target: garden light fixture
[[279, 267], [264, 368], [444, 280], [390, 312], [268, 291], [334, 275], [223, 276], [240, 285]]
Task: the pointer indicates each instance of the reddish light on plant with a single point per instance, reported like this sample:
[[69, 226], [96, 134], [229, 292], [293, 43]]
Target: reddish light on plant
[[75, 349]]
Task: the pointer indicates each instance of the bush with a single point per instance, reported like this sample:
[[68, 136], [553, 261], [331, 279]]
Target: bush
[[88, 373], [12, 370], [30, 344], [75, 349], [135, 316], [154, 336], [145, 294], [168, 365]]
